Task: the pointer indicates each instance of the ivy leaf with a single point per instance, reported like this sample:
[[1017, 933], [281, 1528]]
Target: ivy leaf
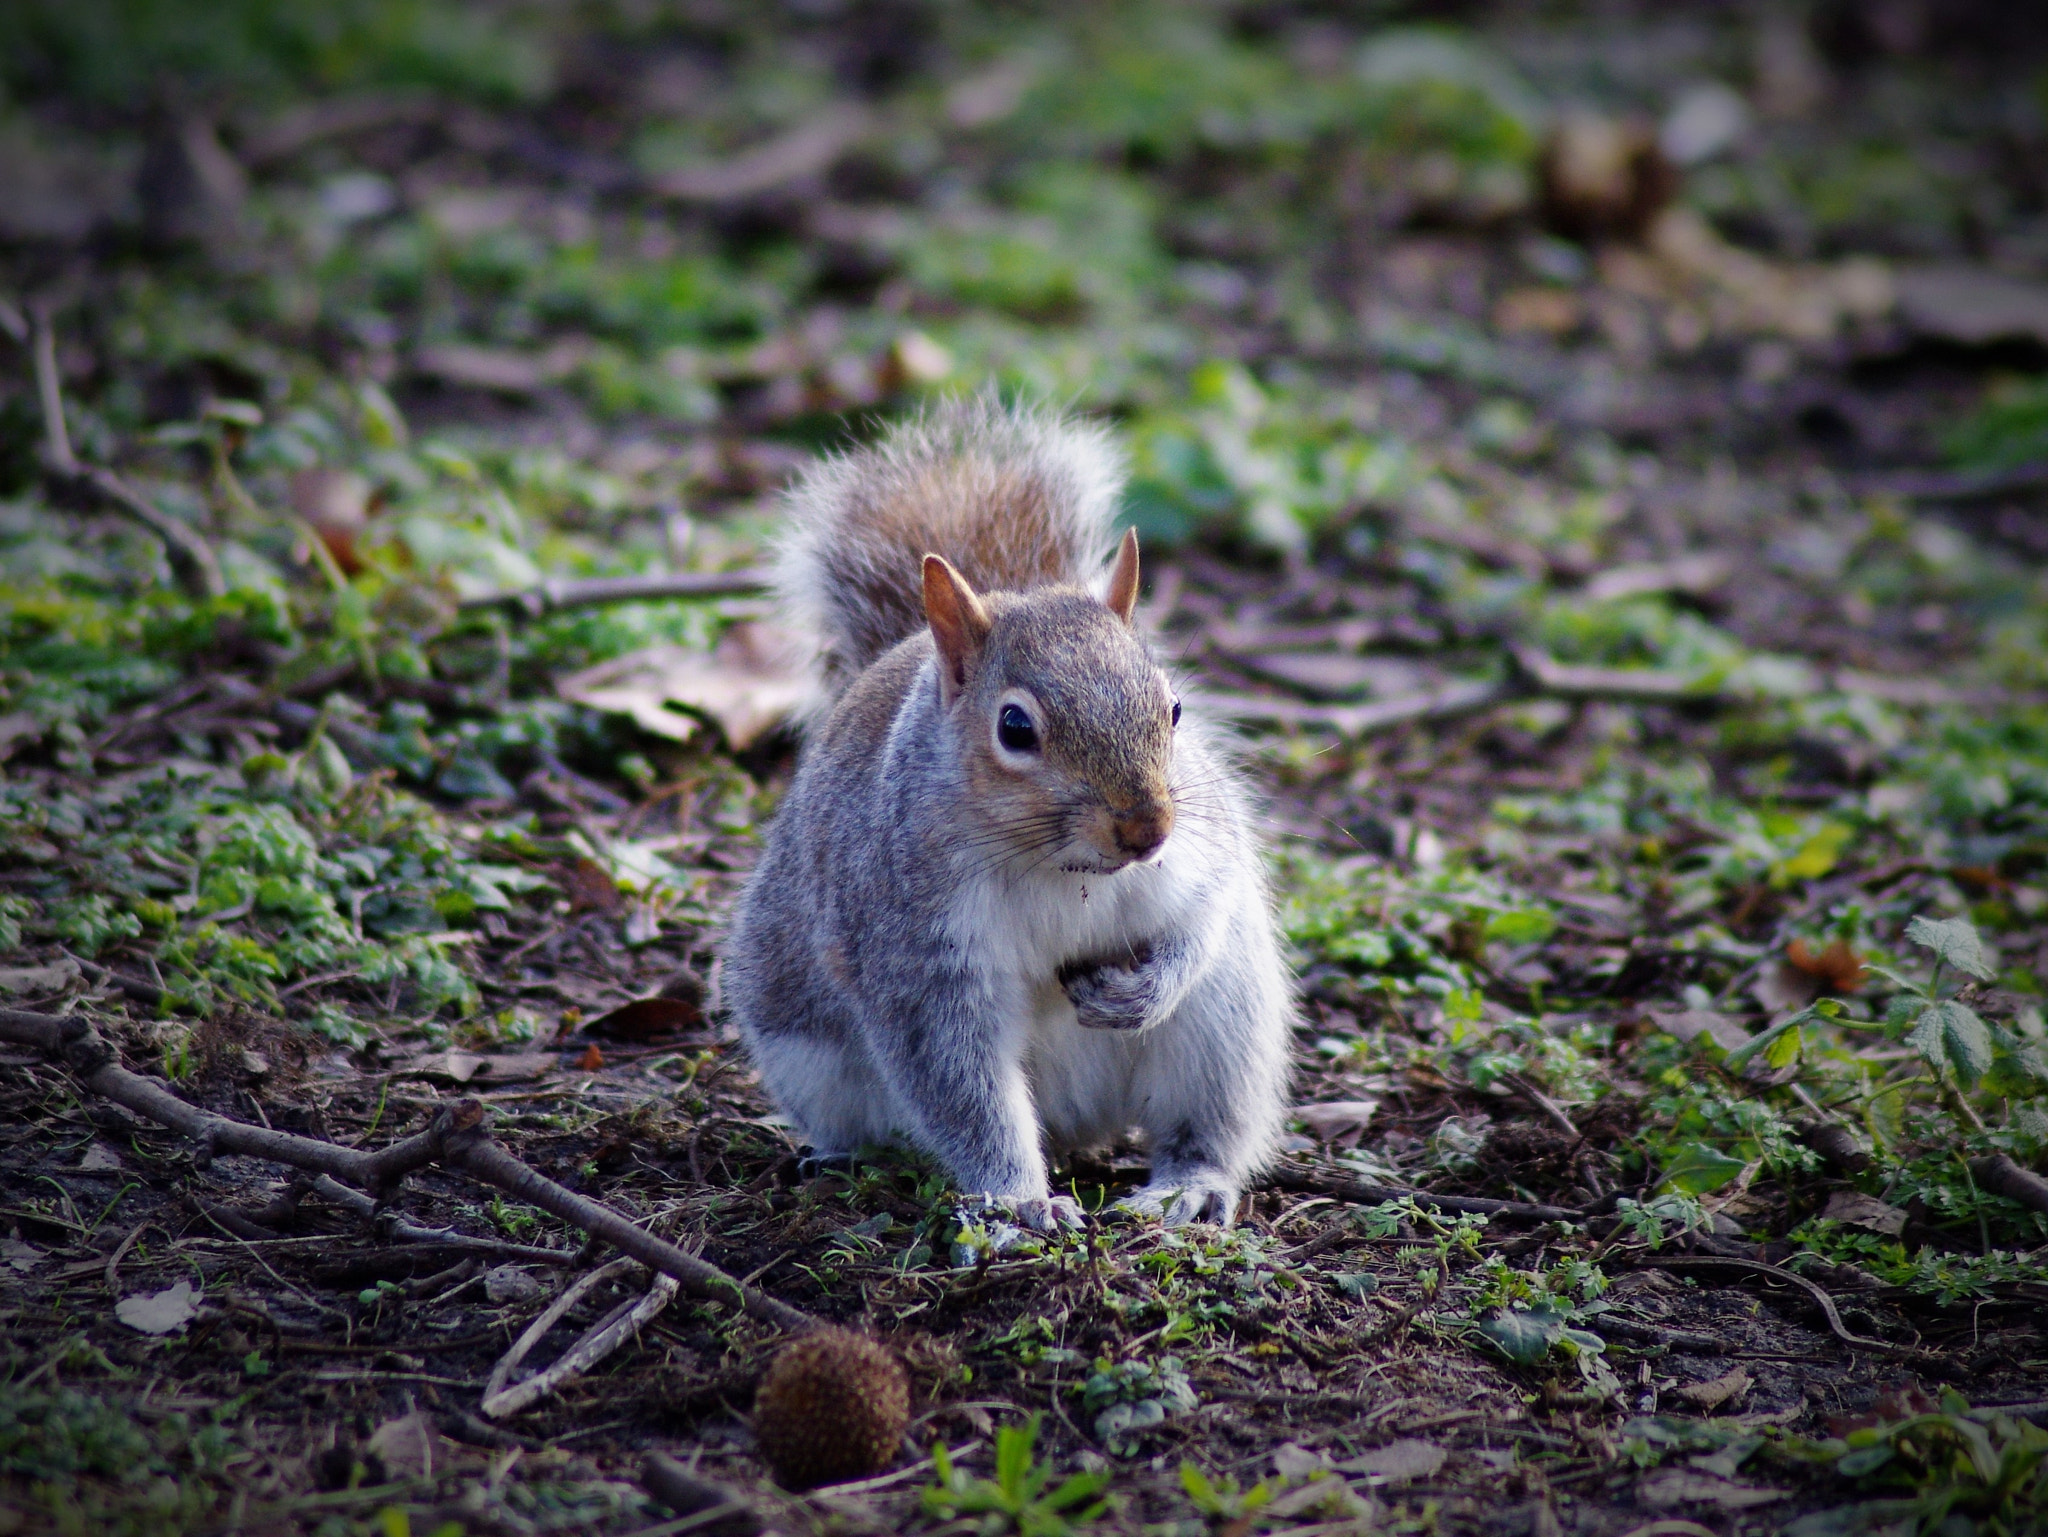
[[1525, 1338], [1699, 1169], [1951, 1035], [1955, 941]]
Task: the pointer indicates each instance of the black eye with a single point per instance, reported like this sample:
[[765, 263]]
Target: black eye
[[1015, 731], [1176, 712]]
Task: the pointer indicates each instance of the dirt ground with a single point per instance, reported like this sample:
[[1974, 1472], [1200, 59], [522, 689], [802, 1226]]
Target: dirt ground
[[1716, 506]]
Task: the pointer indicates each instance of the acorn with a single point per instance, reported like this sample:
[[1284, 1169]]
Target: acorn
[[833, 1407]]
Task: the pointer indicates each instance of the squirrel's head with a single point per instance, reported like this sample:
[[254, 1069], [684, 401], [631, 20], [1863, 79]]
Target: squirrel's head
[[1066, 721]]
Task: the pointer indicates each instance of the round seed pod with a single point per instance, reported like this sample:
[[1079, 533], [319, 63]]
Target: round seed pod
[[833, 1406]]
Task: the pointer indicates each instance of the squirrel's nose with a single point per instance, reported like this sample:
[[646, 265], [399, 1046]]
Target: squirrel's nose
[[1141, 835]]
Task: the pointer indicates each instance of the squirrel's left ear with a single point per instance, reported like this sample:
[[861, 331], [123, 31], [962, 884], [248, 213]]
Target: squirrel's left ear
[[1122, 597]]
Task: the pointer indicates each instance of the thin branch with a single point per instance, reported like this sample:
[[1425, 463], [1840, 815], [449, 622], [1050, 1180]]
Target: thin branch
[[456, 1139], [1826, 1304], [1304, 1181], [598, 1342], [589, 591], [190, 555]]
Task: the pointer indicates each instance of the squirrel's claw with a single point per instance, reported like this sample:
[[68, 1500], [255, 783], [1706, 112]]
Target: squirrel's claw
[[1190, 1198], [811, 1163], [1052, 1214]]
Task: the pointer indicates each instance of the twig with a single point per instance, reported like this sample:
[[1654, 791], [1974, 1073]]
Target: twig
[[1544, 1105], [398, 1230], [585, 592], [809, 149], [190, 555], [501, 1400], [1316, 1182], [456, 1139], [688, 1495], [1822, 1300]]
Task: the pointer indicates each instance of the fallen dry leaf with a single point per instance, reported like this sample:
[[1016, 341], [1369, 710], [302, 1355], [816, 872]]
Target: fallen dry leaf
[[590, 887], [335, 505], [410, 1445], [100, 1159], [1856, 1209], [591, 1060], [1691, 1024], [1675, 1486], [460, 1067], [1972, 306], [645, 1019], [1338, 1120], [756, 676], [508, 1284], [1838, 967], [38, 979], [1398, 1462], [162, 1312], [1709, 1396], [18, 1255]]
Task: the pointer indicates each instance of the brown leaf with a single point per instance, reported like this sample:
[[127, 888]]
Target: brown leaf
[[756, 676], [1397, 1462], [590, 888], [1340, 1121], [1867, 1211], [1709, 1396], [646, 1019], [335, 505], [410, 1445], [591, 1060], [1837, 967]]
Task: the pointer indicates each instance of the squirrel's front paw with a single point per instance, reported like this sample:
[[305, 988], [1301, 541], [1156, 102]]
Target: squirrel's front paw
[[1194, 1197], [1051, 1215], [1112, 997]]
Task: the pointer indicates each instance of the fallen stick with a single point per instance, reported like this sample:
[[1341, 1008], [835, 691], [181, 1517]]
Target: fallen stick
[[809, 149], [190, 555], [586, 592], [1826, 1304], [1364, 1192], [598, 1342], [688, 1495], [456, 1139]]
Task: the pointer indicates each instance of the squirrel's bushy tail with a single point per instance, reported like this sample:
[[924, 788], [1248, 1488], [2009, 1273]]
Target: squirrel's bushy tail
[[1014, 497]]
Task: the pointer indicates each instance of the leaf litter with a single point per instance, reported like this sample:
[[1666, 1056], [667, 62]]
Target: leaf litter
[[1688, 884]]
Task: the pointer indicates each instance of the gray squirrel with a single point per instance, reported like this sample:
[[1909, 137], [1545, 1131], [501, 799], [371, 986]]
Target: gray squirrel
[[1012, 899]]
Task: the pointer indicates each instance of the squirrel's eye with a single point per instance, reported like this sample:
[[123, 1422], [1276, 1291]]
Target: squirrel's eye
[[1015, 731], [1176, 712]]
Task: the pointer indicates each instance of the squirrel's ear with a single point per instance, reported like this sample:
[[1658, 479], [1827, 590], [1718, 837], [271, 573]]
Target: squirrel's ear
[[959, 624], [1123, 578]]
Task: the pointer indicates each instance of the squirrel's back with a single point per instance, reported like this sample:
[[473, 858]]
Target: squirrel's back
[[1015, 498]]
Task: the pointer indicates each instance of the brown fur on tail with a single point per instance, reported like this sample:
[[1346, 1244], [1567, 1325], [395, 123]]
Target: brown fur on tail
[[1015, 498]]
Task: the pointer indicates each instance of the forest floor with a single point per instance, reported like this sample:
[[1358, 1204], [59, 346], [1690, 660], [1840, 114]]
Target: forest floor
[[1626, 563]]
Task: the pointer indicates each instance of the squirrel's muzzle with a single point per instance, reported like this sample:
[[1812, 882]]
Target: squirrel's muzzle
[[1140, 835]]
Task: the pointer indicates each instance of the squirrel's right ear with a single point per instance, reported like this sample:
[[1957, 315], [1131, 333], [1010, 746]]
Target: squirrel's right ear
[[1122, 597], [959, 621]]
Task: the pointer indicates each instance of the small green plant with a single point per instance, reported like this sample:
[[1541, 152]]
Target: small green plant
[[1016, 1499], [1222, 1499], [1131, 1397], [1967, 1469]]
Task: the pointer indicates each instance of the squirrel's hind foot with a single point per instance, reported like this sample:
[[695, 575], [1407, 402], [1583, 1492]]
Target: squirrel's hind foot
[[1200, 1197]]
